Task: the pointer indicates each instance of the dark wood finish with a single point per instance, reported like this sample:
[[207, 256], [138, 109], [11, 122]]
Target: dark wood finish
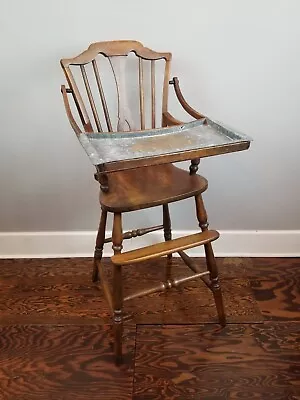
[[167, 222], [131, 185], [117, 237], [100, 240], [194, 166], [210, 261], [42, 362], [259, 268], [257, 361], [51, 270], [59, 291], [194, 304], [277, 292], [164, 248], [148, 187], [167, 228], [137, 232], [193, 267], [55, 341]]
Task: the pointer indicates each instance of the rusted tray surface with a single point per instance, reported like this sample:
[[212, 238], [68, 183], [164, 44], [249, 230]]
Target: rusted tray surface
[[194, 138]]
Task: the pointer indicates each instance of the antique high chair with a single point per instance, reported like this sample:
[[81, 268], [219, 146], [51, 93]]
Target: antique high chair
[[145, 177]]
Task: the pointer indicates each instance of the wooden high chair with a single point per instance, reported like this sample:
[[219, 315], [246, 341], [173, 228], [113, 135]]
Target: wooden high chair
[[143, 184]]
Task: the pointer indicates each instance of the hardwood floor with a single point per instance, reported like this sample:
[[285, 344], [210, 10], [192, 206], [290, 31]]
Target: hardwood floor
[[55, 333], [241, 361]]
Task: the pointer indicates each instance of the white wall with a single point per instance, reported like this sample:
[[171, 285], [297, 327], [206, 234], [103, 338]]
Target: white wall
[[238, 62]]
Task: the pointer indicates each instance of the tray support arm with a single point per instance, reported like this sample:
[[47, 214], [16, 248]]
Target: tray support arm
[[191, 111]]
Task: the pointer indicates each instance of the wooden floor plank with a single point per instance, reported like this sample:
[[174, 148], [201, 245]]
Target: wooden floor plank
[[54, 337], [60, 293], [194, 303], [278, 296], [63, 362], [260, 268], [260, 361], [230, 267]]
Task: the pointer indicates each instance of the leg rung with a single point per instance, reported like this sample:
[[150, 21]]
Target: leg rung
[[164, 248], [166, 285], [137, 232], [190, 263]]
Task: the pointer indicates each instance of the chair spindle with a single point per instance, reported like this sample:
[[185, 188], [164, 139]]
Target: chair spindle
[[102, 96], [83, 115], [91, 99], [153, 93], [141, 84]]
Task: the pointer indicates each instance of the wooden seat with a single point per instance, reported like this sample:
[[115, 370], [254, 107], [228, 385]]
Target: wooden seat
[[128, 192], [144, 187]]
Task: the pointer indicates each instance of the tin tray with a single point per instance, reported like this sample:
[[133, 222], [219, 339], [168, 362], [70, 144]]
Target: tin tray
[[196, 139]]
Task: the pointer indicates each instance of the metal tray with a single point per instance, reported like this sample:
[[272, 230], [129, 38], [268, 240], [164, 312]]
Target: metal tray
[[200, 138]]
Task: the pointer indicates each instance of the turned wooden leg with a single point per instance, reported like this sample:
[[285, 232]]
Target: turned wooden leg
[[194, 166], [167, 225], [117, 238], [211, 261], [99, 246]]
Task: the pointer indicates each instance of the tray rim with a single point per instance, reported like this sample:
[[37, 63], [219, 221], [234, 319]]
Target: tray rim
[[239, 142], [169, 130]]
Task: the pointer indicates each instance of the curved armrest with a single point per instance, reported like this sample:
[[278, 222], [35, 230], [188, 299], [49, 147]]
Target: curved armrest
[[169, 120], [72, 121], [182, 100]]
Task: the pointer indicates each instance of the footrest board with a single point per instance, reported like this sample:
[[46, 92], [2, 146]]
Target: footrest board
[[164, 248]]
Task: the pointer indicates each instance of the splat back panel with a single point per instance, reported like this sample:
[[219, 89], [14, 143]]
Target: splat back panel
[[119, 86]]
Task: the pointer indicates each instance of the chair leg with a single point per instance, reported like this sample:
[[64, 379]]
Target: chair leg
[[117, 238], [210, 261], [99, 246], [168, 236], [167, 225]]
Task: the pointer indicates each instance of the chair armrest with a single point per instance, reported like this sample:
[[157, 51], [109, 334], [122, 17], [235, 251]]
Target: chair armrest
[[169, 120], [182, 101], [72, 121]]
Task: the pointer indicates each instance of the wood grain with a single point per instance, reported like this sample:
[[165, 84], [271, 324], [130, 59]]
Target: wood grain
[[194, 303], [206, 362], [275, 283], [261, 268], [63, 362], [278, 297], [115, 48], [55, 342], [128, 192], [60, 291], [164, 248], [230, 267]]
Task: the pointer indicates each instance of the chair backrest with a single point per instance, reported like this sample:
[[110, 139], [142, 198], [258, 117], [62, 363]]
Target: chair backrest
[[85, 75]]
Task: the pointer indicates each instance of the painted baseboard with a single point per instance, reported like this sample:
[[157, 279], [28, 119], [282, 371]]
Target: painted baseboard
[[81, 244]]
